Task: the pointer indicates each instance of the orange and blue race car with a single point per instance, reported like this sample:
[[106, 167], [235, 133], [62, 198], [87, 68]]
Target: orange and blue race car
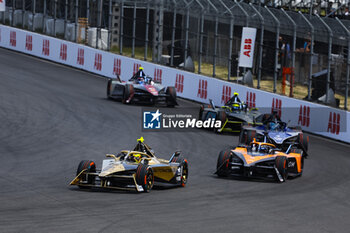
[[262, 160]]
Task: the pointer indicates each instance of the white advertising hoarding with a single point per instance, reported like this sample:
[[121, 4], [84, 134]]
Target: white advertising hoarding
[[2, 5], [247, 47]]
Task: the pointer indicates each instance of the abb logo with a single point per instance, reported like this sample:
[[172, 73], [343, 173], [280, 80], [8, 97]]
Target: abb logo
[[277, 106], [136, 68], [13, 39], [334, 123], [250, 99], [179, 83], [63, 52], [46, 47], [98, 61], [304, 116], [117, 67], [226, 94], [29, 42], [247, 47], [80, 58], [158, 75], [202, 89]]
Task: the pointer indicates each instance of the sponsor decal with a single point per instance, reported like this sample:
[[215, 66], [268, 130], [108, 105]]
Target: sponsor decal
[[136, 68], [117, 66], [250, 99], [46, 47], [202, 89], [80, 58], [158, 75], [304, 116], [179, 83], [13, 38], [247, 47], [176, 120], [63, 52], [333, 123], [29, 42], [98, 62], [277, 106], [151, 90], [226, 94]]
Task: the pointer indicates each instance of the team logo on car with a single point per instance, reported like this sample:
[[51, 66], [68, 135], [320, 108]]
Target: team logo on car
[[152, 120]]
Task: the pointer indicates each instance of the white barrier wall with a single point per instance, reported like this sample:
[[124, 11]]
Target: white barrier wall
[[315, 118]]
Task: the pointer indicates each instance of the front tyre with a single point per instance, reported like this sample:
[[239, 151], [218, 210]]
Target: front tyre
[[184, 169], [89, 166], [222, 169], [144, 177], [281, 164]]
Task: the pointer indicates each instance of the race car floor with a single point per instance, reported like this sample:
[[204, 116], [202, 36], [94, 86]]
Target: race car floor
[[54, 116]]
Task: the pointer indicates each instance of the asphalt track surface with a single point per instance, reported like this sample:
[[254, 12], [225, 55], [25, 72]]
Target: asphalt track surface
[[53, 116]]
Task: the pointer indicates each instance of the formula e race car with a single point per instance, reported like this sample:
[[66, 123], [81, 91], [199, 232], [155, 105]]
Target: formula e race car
[[138, 169], [262, 160], [232, 115], [276, 131], [142, 90]]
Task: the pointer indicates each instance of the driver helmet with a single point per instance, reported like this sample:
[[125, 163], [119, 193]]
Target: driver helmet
[[264, 149], [236, 106], [140, 68], [235, 94], [137, 158], [273, 125]]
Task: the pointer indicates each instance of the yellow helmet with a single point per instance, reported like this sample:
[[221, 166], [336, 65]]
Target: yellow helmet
[[235, 94], [137, 157], [141, 68]]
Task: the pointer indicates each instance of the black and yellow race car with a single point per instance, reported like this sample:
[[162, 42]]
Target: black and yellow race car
[[138, 169]]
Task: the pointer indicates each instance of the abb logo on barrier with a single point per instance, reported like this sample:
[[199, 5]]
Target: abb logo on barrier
[[250, 99], [277, 106], [136, 68], [29, 42], [63, 52], [13, 38], [179, 83], [333, 123], [46, 47], [98, 62], [202, 89], [247, 47], [158, 75], [80, 58], [304, 116], [117, 67], [226, 94]]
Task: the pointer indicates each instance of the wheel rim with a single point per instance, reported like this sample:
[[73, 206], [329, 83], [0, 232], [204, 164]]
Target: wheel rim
[[149, 180], [184, 175]]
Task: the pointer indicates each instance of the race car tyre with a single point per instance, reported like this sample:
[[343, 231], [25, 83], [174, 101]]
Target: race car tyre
[[303, 140], [223, 162], [144, 177], [128, 92], [109, 86], [171, 96], [282, 166], [184, 168], [90, 167], [246, 136], [221, 116], [201, 109]]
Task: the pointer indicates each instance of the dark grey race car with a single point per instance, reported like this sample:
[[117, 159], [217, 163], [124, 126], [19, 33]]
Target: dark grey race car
[[141, 90]]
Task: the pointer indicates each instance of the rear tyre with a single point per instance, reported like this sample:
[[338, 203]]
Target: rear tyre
[[184, 169], [90, 167], [304, 141], [109, 86], [223, 162], [282, 167], [128, 93], [171, 96], [144, 177], [246, 136]]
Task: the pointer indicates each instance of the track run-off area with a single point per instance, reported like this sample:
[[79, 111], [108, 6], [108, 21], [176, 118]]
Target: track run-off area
[[53, 116]]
